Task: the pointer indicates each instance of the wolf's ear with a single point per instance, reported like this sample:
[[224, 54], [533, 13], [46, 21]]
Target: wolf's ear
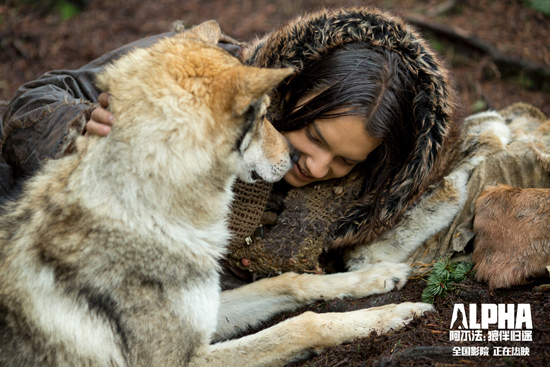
[[252, 83], [208, 32]]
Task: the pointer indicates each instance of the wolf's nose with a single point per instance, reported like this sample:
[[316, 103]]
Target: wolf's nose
[[294, 154], [255, 176]]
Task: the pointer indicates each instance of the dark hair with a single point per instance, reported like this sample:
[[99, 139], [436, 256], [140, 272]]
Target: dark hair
[[355, 79]]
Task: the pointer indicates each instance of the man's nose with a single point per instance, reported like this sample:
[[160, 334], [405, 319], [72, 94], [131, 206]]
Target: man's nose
[[319, 165]]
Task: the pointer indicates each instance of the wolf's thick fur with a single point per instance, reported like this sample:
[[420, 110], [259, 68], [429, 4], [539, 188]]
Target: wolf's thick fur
[[110, 258]]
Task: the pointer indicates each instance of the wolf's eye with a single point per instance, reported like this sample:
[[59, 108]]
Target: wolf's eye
[[249, 119], [243, 141]]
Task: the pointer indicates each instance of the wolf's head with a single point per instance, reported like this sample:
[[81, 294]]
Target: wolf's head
[[186, 107]]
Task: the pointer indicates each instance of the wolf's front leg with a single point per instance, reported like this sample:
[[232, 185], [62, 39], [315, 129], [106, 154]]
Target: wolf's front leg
[[247, 306], [307, 334]]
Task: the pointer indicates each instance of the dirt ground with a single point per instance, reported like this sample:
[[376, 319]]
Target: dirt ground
[[34, 39]]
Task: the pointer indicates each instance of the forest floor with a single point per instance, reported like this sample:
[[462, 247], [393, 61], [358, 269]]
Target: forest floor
[[498, 52]]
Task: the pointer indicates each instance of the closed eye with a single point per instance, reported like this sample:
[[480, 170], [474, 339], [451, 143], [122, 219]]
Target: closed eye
[[322, 141], [311, 137], [249, 119], [239, 144], [348, 162]]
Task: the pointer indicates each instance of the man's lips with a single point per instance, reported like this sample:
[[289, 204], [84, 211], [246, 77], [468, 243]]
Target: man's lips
[[302, 175]]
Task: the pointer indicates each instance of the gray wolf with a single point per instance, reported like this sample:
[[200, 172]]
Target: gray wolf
[[110, 257]]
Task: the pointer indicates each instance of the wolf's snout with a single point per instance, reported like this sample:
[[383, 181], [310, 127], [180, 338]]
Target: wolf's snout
[[255, 176], [294, 154]]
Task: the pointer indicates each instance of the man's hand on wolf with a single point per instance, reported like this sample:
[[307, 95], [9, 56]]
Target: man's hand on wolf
[[101, 120]]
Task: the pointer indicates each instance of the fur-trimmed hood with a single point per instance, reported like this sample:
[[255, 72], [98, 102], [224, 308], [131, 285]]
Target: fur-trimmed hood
[[307, 38]]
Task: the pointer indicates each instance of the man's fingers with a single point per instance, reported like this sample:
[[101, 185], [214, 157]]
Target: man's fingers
[[96, 128], [100, 119], [102, 116], [103, 99]]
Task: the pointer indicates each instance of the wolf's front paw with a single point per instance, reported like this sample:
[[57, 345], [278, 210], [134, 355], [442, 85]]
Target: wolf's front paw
[[399, 274], [381, 277], [399, 315], [408, 310], [382, 319]]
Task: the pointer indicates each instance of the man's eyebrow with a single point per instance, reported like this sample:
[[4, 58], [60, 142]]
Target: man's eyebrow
[[318, 132]]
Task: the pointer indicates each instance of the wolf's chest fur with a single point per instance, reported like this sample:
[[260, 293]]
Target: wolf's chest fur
[[76, 263]]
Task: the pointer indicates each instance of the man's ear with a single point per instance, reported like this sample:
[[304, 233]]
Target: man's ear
[[208, 32], [251, 83]]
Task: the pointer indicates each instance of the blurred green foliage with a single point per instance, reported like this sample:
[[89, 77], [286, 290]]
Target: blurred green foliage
[[542, 6], [479, 105], [66, 9]]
